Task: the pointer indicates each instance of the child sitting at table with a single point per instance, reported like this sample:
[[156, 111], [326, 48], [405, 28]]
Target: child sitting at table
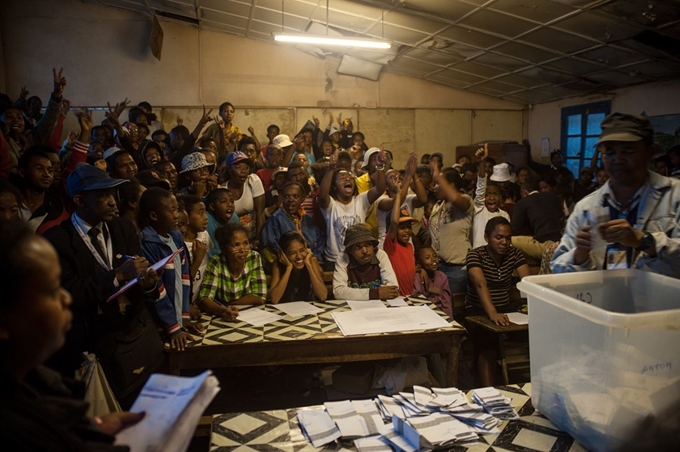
[[363, 272], [297, 276], [430, 282], [233, 277]]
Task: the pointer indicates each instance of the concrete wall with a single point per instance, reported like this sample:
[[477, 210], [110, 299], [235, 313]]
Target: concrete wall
[[654, 99], [106, 57]]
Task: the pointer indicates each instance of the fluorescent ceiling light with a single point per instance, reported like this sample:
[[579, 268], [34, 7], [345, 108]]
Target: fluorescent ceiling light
[[332, 41]]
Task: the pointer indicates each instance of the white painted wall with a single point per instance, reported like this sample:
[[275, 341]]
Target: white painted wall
[[106, 57], [653, 98]]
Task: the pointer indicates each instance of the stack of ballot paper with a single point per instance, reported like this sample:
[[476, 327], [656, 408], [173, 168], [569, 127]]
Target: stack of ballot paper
[[494, 403], [355, 419], [173, 407], [317, 426]]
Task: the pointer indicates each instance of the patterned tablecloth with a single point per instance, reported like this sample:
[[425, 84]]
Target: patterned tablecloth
[[278, 431], [321, 326]]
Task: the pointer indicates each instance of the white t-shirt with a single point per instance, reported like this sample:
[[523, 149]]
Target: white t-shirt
[[482, 216], [338, 218], [244, 207], [198, 279], [384, 215]]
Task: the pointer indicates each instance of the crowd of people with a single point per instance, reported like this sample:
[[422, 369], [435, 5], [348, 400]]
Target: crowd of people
[[251, 222]]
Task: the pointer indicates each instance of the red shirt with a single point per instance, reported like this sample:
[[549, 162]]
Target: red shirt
[[403, 263], [265, 175]]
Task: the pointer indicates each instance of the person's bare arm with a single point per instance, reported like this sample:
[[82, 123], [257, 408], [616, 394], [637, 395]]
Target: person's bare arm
[[258, 202], [394, 224], [324, 198], [316, 275], [479, 282], [452, 194], [280, 280]]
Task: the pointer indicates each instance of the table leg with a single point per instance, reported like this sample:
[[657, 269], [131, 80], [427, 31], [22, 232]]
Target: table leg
[[173, 366], [452, 364], [504, 364]]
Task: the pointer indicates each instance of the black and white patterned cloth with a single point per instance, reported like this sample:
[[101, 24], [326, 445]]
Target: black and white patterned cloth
[[279, 431]]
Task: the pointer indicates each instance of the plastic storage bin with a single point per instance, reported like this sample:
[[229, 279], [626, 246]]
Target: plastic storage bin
[[605, 357]]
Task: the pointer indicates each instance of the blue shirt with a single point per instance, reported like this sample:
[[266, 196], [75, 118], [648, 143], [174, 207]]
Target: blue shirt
[[213, 224]]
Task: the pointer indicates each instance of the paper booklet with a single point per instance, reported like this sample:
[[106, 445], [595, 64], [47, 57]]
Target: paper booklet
[[173, 407], [157, 266]]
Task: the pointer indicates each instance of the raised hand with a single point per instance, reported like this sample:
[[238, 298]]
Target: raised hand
[[59, 82], [65, 107], [482, 152], [85, 120], [316, 121], [204, 119], [251, 131], [180, 121], [24, 92]]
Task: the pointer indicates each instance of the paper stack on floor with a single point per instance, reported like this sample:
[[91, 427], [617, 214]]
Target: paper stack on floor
[[408, 422], [494, 403]]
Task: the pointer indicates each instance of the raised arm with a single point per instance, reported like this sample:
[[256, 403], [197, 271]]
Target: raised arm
[[376, 191], [396, 208], [451, 193], [324, 198]]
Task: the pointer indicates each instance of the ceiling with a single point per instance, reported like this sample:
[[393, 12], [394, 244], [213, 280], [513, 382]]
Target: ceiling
[[526, 51]]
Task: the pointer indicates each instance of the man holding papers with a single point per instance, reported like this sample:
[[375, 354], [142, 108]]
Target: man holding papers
[[93, 248]]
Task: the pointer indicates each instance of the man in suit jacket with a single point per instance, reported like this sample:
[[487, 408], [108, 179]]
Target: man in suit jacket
[[99, 252]]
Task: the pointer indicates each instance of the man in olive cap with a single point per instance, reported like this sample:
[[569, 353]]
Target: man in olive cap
[[632, 220]]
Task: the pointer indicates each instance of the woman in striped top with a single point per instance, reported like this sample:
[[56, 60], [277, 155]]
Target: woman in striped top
[[490, 269]]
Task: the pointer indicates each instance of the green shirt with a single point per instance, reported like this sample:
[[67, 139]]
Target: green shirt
[[222, 287]]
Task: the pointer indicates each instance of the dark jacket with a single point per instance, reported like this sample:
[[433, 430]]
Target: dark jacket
[[538, 215], [42, 414], [90, 285]]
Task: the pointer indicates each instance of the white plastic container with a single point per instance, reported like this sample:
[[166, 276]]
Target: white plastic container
[[605, 357]]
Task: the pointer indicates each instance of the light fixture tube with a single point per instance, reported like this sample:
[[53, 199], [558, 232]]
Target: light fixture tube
[[331, 41]]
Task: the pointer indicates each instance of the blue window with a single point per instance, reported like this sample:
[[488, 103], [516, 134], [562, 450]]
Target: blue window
[[580, 132]]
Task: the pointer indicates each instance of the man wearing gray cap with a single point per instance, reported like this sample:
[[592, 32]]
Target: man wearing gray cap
[[633, 220]]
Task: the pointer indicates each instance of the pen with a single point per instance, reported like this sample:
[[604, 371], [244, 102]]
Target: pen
[[126, 257]]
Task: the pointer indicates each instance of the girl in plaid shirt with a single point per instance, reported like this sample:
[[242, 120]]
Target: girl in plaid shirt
[[233, 277]]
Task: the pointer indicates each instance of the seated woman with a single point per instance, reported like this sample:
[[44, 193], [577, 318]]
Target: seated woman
[[39, 410], [490, 269], [297, 276], [233, 277]]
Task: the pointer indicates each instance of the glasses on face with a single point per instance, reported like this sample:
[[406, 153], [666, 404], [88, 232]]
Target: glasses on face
[[241, 247]]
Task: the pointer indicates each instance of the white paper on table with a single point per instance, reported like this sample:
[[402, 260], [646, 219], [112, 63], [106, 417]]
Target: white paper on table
[[518, 318], [397, 302], [344, 415], [373, 321], [318, 426], [258, 317], [372, 444], [359, 305], [173, 407], [298, 308]]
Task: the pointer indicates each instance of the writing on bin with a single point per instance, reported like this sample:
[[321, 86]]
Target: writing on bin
[[585, 297], [656, 367]]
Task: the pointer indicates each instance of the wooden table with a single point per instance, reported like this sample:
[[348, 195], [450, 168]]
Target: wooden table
[[279, 431], [312, 339], [501, 333]]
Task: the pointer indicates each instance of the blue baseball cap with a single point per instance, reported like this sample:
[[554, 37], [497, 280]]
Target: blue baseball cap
[[87, 178]]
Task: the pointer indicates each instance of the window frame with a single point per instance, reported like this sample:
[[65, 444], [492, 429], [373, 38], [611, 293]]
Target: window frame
[[584, 156]]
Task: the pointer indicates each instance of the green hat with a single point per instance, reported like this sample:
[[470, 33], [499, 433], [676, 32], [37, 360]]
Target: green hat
[[625, 127]]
